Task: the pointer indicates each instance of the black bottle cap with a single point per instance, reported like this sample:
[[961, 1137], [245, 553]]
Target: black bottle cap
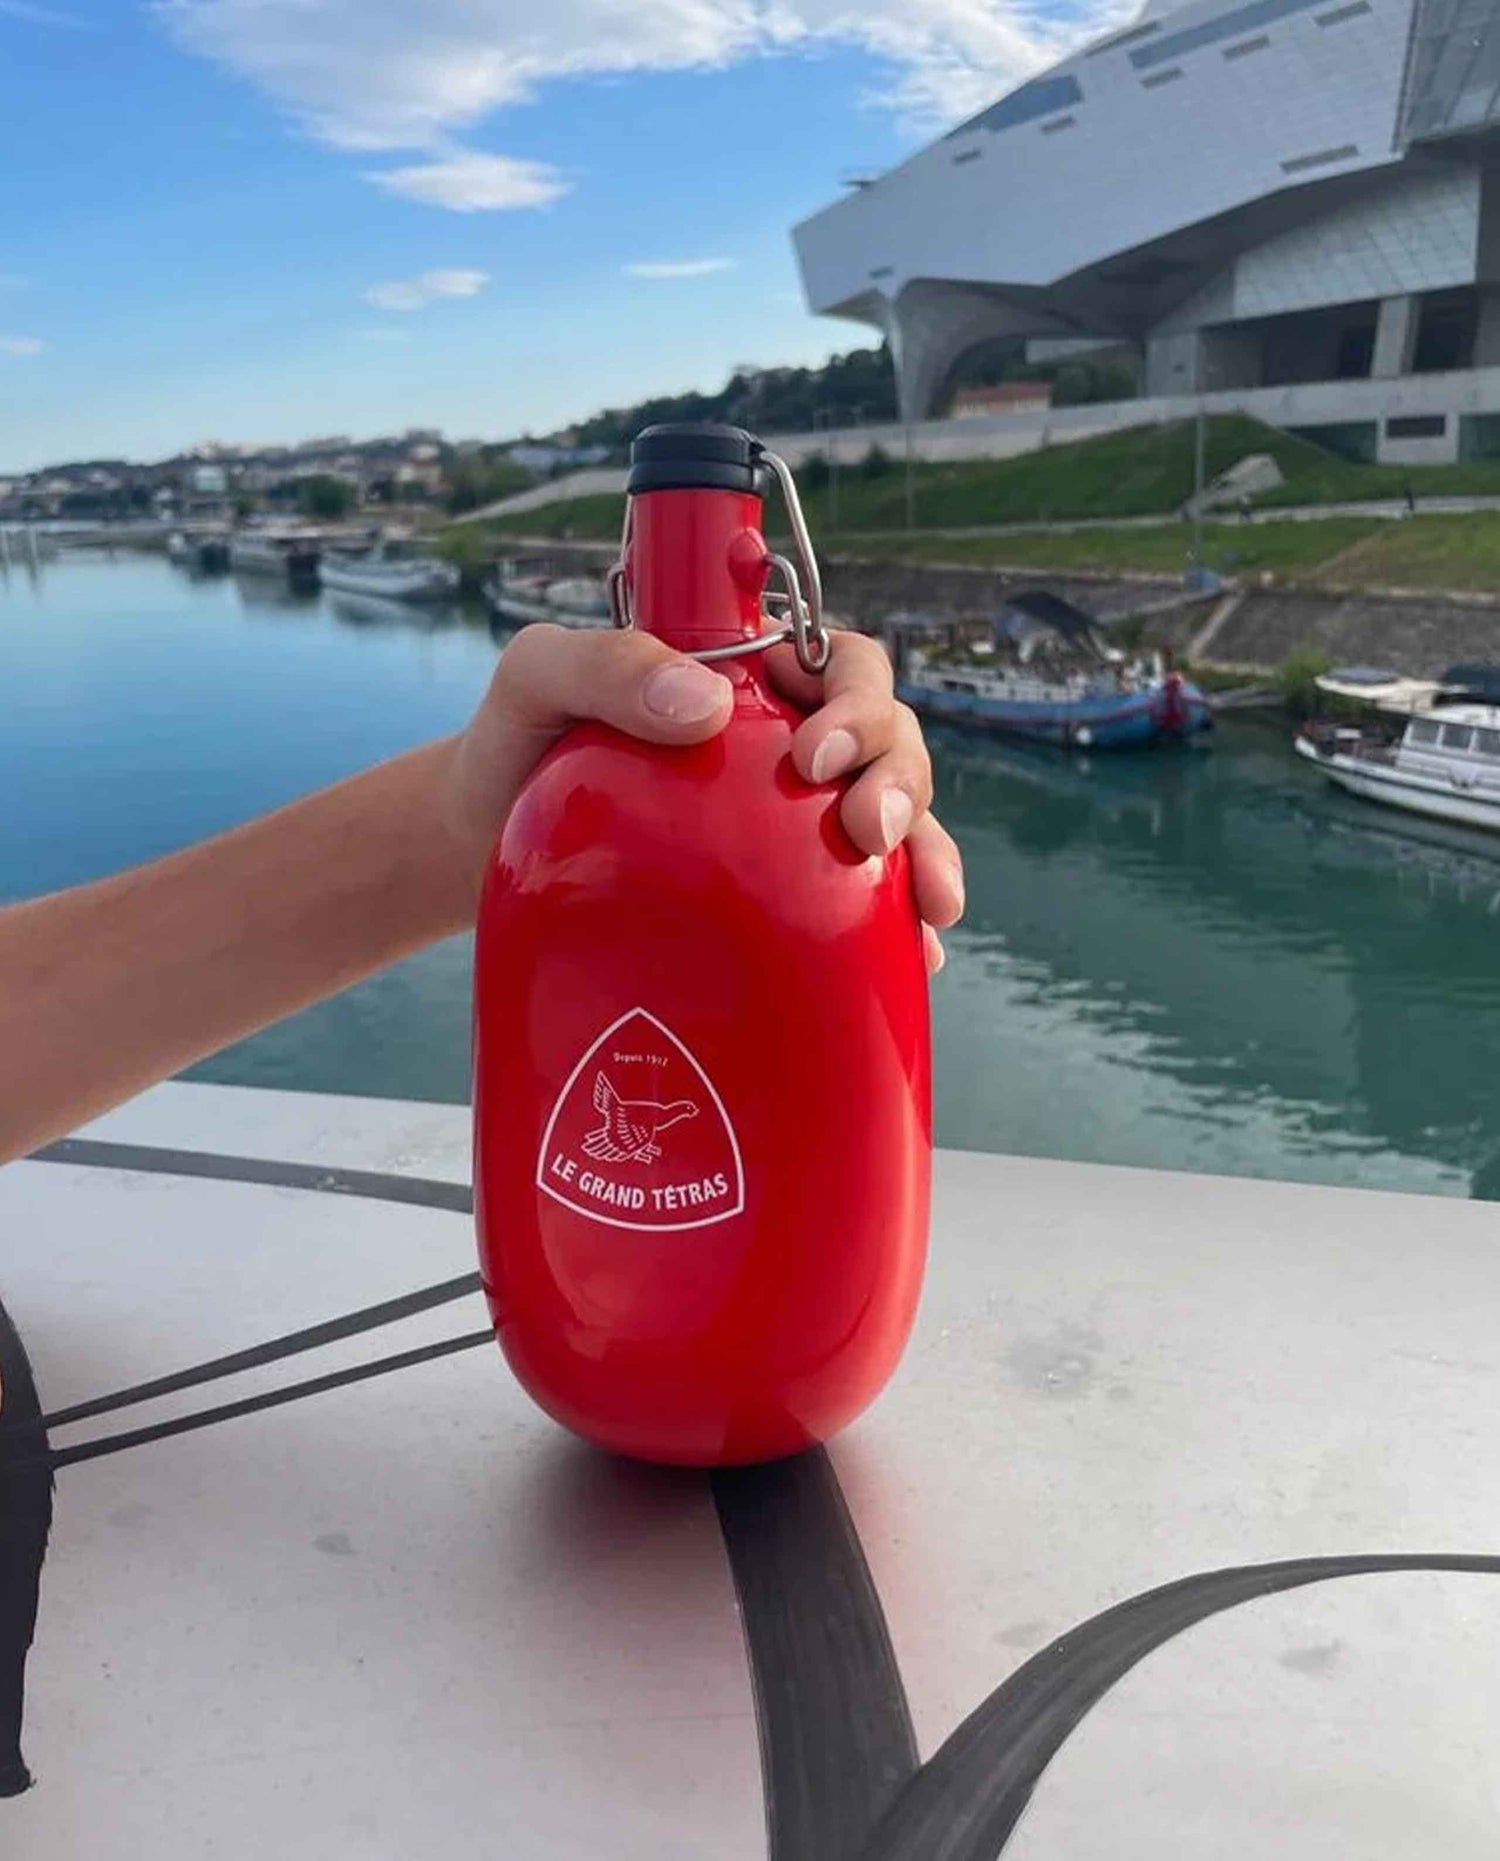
[[696, 455]]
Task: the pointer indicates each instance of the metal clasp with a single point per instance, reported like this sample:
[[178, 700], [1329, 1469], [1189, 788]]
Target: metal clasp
[[798, 611]]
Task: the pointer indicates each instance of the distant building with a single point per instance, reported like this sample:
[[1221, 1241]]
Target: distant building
[[538, 456], [1291, 205], [1008, 397]]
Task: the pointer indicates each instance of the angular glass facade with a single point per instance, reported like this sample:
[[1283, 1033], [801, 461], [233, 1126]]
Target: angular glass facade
[[1453, 68]]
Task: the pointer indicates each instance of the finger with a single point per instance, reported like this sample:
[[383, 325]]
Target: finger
[[937, 872], [893, 793], [932, 950], [551, 676], [855, 661]]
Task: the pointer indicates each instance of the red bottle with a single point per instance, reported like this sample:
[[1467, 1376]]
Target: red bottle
[[702, 1139]]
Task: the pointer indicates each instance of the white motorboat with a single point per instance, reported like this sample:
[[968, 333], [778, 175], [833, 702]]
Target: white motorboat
[[519, 593], [1444, 764], [1392, 693], [387, 570], [292, 554]]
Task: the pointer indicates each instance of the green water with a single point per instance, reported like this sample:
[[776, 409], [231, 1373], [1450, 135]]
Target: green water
[[1200, 961]]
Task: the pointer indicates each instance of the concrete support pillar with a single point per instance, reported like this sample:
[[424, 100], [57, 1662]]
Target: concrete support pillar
[[1395, 337], [932, 326], [1174, 363]]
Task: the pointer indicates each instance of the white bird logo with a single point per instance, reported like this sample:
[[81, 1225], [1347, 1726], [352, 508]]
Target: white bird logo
[[631, 1127]]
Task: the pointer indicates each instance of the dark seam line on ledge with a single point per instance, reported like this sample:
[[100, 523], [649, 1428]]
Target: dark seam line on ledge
[[835, 1730], [148, 1159], [389, 1311], [965, 1802], [250, 1405]]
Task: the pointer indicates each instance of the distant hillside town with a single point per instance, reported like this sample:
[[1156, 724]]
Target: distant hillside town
[[319, 477], [328, 476]]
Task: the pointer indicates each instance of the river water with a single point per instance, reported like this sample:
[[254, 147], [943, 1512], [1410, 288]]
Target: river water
[[1202, 961]]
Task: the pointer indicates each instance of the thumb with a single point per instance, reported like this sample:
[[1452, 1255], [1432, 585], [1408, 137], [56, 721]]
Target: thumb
[[550, 677]]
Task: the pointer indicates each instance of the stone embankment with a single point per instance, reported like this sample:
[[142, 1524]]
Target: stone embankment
[[1252, 629]]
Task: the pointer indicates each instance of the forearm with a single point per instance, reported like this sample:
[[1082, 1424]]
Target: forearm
[[112, 986]]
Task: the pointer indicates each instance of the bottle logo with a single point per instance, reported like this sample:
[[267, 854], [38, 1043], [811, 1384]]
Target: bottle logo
[[639, 1138]]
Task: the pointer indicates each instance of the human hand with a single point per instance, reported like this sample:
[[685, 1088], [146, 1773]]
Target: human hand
[[550, 678]]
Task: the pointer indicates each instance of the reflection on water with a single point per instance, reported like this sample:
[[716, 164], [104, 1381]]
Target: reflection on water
[[1210, 961], [1200, 961]]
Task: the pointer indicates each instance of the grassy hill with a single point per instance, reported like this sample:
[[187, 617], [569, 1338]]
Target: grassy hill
[[1139, 472]]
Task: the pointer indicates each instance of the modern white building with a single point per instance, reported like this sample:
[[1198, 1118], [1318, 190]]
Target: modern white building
[[1263, 200]]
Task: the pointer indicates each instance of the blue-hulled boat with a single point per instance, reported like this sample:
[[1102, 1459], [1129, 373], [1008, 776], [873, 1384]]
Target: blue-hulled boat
[[1047, 675]]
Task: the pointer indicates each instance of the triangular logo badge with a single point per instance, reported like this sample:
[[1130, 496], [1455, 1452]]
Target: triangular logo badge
[[639, 1137]]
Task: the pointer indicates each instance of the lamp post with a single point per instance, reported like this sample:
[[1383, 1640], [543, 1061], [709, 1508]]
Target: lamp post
[[1200, 440]]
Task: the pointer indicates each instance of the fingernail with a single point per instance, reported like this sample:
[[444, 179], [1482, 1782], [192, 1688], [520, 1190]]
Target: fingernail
[[834, 755], [895, 817], [936, 954], [956, 880], [684, 693]]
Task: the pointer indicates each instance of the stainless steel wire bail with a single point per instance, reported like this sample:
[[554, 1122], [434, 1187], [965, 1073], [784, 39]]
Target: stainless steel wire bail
[[794, 611]]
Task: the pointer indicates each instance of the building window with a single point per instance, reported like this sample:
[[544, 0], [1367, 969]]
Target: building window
[[1227, 26], [1341, 13], [1344, 153], [1246, 47], [1042, 97], [1356, 351], [1060, 122], [1416, 426], [1169, 76], [1445, 336], [1127, 37]]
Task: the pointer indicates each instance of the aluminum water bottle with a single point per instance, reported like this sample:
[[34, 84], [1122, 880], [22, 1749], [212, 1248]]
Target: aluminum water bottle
[[702, 1119]]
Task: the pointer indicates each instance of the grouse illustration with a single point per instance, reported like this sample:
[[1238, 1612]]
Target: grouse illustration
[[631, 1126]]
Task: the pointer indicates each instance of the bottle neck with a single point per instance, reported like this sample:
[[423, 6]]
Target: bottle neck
[[696, 567]]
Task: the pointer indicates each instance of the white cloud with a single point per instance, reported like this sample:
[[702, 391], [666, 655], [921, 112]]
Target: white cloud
[[21, 345], [466, 181], [676, 267], [392, 75], [417, 293]]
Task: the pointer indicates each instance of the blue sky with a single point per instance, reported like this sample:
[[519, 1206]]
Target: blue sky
[[268, 219]]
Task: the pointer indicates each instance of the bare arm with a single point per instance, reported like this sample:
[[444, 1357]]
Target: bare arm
[[109, 987]]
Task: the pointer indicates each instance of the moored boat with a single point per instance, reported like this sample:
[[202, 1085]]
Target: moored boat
[[388, 572], [1377, 688], [1445, 763], [201, 552], [1048, 675], [291, 554], [519, 592]]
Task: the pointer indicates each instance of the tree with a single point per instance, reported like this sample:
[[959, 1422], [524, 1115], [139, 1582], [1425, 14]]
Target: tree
[[483, 478], [325, 497], [857, 387]]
